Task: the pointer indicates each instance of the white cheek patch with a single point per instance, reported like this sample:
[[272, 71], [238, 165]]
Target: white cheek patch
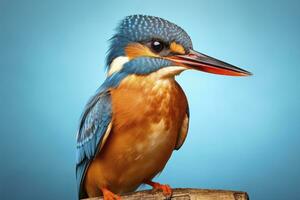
[[117, 64]]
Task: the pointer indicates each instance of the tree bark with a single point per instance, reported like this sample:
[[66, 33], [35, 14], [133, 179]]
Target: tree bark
[[185, 194]]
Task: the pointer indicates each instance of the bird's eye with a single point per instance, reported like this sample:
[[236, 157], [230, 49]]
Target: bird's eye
[[157, 46]]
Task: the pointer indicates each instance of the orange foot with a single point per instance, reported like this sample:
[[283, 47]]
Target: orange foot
[[108, 195], [166, 189]]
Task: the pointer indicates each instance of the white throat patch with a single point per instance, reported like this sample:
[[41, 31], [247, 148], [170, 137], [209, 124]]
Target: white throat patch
[[170, 71]]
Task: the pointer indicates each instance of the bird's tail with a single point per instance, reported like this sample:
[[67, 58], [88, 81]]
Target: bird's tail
[[80, 174]]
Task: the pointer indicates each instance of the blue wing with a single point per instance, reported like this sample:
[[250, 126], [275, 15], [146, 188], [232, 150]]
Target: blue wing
[[94, 123], [184, 129]]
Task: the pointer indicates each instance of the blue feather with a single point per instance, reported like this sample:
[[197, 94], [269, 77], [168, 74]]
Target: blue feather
[[80, 171], [93, 125], [145, 65], [141, 28]]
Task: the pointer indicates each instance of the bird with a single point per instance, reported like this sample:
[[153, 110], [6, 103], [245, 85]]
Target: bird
[[139, 115]]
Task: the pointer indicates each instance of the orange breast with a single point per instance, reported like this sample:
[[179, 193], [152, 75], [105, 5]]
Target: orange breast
[[147, 117]]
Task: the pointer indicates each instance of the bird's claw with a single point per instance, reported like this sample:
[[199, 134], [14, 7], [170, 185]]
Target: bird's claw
[[108, 195], [166, 189]]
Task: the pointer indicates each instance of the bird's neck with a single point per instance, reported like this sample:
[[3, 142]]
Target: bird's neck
[[147, 83]]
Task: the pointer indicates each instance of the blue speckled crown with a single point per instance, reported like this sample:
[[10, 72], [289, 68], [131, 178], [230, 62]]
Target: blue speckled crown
[[138, 28]]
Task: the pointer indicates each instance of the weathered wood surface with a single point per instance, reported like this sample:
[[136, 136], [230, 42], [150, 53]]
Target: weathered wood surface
[[185, 194]]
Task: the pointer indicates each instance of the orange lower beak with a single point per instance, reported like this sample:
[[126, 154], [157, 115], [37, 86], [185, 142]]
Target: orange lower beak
[[202, 62]]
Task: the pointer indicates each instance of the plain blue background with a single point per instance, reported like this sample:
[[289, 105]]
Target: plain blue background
[[244, 132]]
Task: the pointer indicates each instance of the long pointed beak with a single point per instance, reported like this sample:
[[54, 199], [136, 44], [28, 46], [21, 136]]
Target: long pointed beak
[[202, 62]]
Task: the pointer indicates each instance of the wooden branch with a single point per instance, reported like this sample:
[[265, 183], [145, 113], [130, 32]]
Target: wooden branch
[[185, 194]]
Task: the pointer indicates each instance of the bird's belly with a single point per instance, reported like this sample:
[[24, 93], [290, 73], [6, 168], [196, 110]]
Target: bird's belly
[[133, 157]]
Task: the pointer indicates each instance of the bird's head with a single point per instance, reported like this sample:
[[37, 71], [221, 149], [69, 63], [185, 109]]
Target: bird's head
[[146, 44]]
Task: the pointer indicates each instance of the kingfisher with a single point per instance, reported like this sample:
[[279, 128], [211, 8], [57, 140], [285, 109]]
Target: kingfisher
[[139, 115]]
